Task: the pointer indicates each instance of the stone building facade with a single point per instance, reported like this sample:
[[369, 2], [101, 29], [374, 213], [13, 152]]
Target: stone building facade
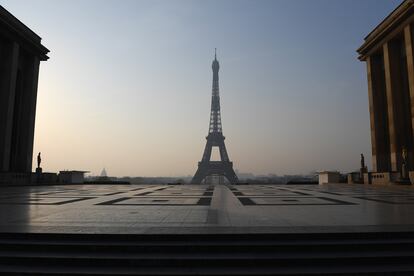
[[20, 54], [388, 53]]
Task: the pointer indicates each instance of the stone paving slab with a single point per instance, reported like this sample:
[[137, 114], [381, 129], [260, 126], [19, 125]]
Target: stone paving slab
[[206, 209]]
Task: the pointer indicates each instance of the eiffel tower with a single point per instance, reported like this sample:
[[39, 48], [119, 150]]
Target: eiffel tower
[[215, 138]]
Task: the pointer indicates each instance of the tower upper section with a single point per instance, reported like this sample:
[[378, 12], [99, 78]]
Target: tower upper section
[[215, 64], [215, 114]]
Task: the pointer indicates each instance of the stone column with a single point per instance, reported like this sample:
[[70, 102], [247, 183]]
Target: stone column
[[390, 90], [372, 110], [378, 113], [409, 49], [399, 106], [9, 63], [31, 92]]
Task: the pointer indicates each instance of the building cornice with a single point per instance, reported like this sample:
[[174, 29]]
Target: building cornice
[[385, 30], [23, 32]]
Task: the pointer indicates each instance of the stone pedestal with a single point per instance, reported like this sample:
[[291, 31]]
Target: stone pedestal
[[39, 175], [411, 174], [355, 178], [362, 171], [367, 178], [329, 177], [404, 173]]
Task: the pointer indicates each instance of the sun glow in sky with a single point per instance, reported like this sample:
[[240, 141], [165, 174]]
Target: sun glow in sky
[[128, 83]]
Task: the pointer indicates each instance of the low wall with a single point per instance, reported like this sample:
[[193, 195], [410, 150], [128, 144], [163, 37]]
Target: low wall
[[15, 178]]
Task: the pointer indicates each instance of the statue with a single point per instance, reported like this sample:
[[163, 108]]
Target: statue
[[404, 156], [39, 169], [362, 161], [39, 160], [363, 168]]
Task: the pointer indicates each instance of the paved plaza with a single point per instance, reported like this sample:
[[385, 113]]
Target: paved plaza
[[206, 209]]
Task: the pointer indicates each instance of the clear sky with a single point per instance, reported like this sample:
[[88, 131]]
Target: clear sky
[[128, 83]]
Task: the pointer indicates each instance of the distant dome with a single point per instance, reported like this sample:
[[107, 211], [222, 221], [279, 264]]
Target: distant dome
[[103, 173]]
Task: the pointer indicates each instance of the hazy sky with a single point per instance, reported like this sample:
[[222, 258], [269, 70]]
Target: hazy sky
[[128, 83]]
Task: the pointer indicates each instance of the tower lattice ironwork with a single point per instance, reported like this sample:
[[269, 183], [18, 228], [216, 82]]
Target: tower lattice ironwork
[[215, 138]]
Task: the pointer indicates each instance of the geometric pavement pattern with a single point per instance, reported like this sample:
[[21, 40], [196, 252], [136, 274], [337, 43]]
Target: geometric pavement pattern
[[201, 195]]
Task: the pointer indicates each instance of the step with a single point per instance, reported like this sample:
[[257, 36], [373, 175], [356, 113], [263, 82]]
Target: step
[[379, 269]]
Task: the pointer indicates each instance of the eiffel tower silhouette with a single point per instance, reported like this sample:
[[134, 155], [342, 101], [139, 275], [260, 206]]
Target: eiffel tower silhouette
[[215, 138]]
